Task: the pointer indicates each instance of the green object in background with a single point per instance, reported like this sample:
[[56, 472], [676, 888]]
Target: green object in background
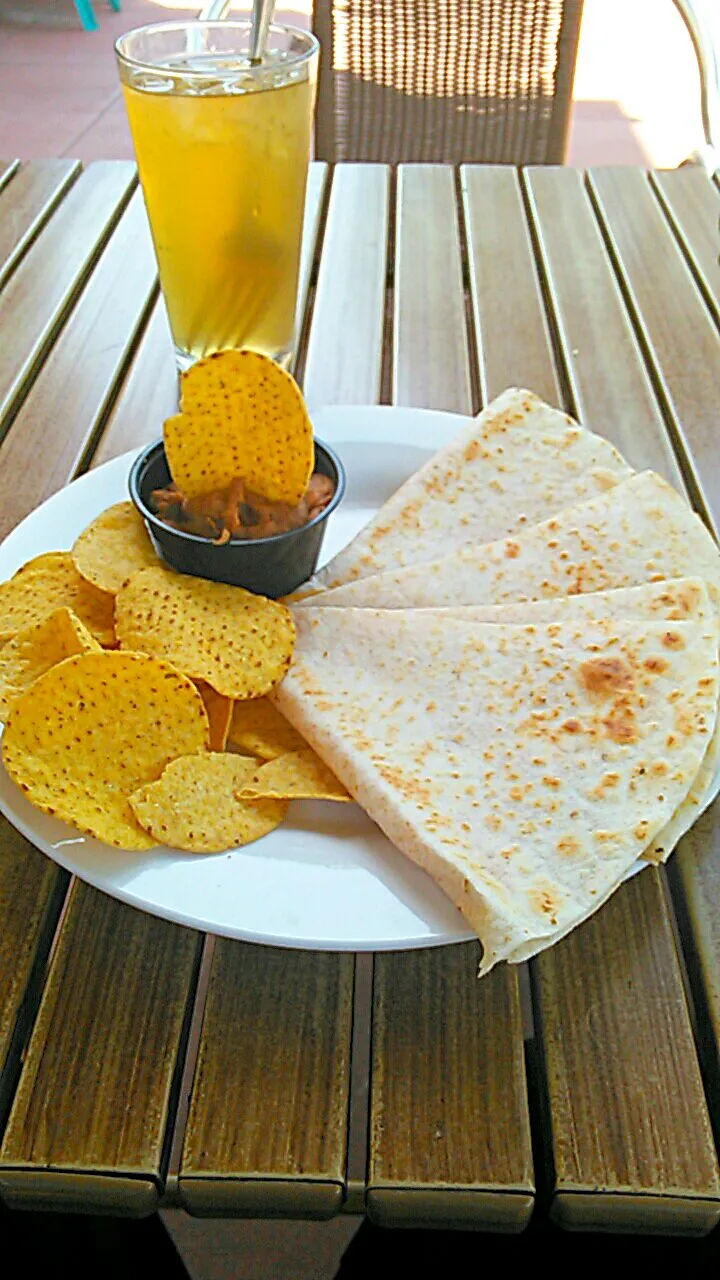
[[87, 15]]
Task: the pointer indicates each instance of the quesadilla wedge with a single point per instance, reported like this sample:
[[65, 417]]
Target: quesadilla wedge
[[525, 767], [703, 791], [640, 531], [674, 600], [516, 463]]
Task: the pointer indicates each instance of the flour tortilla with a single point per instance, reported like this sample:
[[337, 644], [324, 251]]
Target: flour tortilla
[[515, 464], [525, 768], [640, 531], [703, 791], [675, 600]]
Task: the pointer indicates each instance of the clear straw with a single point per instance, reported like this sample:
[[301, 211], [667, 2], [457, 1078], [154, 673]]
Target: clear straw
[[262, 14]]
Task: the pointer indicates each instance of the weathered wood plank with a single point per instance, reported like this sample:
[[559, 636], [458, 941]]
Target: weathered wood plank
[[8, 169], [679, 337], [632, 1141], [514, 345], [695, 879], [31, 892], [79, 376], [277, 1026], [27, 203], [450, 1132], [344, 353], [693, 206], [415, 1176], [149, 394], [96, 1092], [39, 295], [431, 367], [599, 347], [267, 1125], [610, 388]]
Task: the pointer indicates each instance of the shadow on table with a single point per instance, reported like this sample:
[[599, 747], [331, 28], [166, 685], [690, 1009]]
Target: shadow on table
[[434, 1253], [75, 1247]]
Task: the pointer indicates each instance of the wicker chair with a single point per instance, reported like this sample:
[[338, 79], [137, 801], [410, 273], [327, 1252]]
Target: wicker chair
[[466, 80], [445, 80]]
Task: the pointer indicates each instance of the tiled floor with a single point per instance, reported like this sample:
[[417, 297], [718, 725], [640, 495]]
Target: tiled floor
[[636, 102], [59, 93], [636, 88]]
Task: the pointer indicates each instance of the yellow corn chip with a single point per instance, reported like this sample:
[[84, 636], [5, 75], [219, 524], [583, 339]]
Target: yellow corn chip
[[50, 582], [92, 730], [219, 710], [243, 417], [193, 805], [113, 547], [259, 729], [32, 652], [300, 775], [241, 644]]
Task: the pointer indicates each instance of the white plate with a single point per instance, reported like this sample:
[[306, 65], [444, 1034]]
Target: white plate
[[327, 878]]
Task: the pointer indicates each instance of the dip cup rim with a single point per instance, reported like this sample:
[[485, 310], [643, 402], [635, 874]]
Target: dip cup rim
[[157, 446], [196, 24]]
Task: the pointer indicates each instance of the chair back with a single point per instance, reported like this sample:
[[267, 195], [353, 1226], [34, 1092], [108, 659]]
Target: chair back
[[445, 80]]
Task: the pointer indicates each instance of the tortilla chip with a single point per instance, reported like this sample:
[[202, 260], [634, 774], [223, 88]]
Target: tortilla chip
[[113, 547], [193, 805], [243, 417], [49, 582], [32, 652], [300, 775], [241, 644], [219, 711], [95, 728], [260, 730]]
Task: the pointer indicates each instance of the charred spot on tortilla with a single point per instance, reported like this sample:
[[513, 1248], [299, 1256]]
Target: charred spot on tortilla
[[655, 664], [546, 900], [620, 724], [682, 601], [607, 676]]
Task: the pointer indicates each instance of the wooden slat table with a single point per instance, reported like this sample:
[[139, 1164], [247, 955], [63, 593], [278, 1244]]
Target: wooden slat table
[[143, 1065]]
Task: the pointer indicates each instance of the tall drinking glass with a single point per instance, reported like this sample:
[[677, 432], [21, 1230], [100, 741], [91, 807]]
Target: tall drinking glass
[[223, 146]]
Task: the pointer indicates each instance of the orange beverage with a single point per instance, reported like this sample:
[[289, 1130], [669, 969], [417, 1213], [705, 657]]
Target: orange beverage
[[223, 148]]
